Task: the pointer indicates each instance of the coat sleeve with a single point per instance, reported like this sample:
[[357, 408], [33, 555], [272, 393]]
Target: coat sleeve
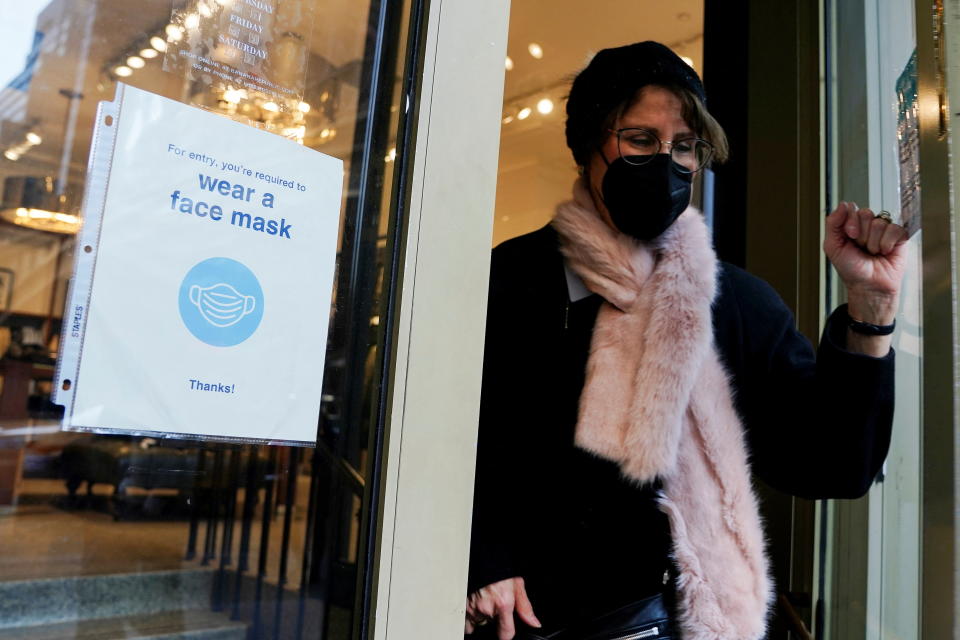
[[496, 513], [818, 425]]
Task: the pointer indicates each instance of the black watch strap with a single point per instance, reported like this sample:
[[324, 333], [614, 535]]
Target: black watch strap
[[869, 329]]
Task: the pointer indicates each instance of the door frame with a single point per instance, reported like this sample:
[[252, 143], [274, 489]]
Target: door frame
[[423, 536]]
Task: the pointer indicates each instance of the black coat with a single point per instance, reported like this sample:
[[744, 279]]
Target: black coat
[[584, 539]]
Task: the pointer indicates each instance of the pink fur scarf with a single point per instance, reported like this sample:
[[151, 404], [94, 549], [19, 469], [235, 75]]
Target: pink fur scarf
[[657, 401]]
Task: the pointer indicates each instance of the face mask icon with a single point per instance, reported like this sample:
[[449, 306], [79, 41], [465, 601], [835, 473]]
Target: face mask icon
[[221, 305], [221, 302]]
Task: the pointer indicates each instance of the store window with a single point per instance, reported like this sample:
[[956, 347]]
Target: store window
[[117, 528]]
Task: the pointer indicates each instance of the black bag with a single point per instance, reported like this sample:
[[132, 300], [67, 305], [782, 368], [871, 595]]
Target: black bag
[[647, 619]]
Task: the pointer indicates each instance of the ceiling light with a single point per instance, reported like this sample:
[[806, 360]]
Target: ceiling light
[[158, 43], [123, 71], [33, 138], [271, 106], [688, 60], [204, 9], [507, 119], [304, 107], [545, 106], [508, 63], [535, 50], [524, 113], [11, 155], [135, 62], [324, 96], [192, 21], [148, 53], [324, 134], [174, 33]]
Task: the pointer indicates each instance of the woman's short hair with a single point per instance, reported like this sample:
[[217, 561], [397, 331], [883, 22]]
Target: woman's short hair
[[611, 83]]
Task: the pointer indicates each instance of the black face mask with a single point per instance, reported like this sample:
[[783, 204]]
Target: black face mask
[[644, 200]]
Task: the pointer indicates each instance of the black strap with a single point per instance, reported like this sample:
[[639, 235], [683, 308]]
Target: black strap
[[870, 329]]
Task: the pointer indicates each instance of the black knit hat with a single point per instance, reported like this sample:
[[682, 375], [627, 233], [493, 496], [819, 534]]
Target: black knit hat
[[613, 77]]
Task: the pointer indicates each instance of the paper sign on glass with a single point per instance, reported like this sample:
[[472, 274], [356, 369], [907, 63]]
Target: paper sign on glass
[[908, 146], [202, 286]]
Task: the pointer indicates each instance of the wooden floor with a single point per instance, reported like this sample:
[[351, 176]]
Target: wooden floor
[[47, 536]]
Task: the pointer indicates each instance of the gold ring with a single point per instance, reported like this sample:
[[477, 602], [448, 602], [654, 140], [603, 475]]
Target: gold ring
[[884, 215]]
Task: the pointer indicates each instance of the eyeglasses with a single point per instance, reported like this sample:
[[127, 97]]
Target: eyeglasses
[[640, 146]]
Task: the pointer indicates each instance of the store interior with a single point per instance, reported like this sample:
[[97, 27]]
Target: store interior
[[546, 46]]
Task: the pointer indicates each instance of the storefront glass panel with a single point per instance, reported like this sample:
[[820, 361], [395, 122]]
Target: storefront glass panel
[[887, 561], [148, 536]]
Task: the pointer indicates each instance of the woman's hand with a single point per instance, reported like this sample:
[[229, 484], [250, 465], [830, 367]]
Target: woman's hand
[[869, 256], [499, 600]]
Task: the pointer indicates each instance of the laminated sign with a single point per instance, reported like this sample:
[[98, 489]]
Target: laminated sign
[[201, 292], [908, 146]]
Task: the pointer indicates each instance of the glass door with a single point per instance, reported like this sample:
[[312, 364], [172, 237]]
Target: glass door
[[887, 562], [144, 535]]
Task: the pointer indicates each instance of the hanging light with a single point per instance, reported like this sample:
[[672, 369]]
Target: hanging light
[[192, 21], [174, 32], [149, 52], [234, 96], [304, 107], [688, 60], [34, 138], [508, 63], [43, 220], [524, 113], [295, 133], [135, 62], [535, 50], [123, 71], [545, 106], [271, 106], [33, 202], [158, 43]]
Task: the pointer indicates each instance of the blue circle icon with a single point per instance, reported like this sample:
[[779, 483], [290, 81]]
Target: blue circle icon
[[221, 302]]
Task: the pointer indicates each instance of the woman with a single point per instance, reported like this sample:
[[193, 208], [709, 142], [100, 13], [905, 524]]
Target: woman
[[628, 376]]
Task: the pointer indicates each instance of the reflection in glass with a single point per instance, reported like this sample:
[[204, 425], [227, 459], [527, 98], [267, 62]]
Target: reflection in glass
[[184, 536]]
